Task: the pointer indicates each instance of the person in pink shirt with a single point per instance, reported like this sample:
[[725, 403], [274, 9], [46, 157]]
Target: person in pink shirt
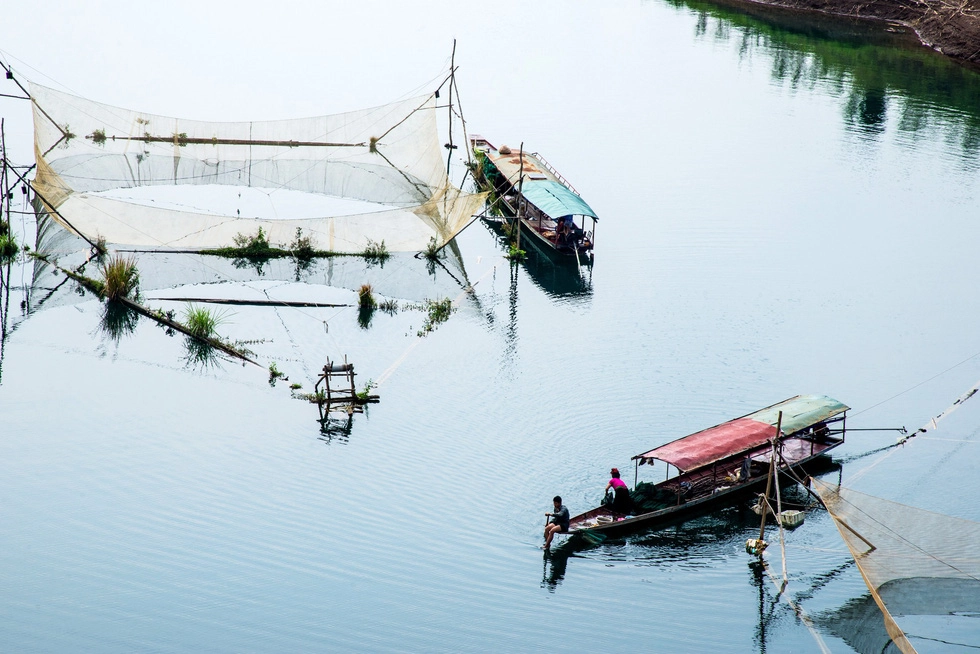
[[622, 502]]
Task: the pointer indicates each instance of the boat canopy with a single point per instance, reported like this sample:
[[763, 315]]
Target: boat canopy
[[555, 199], [745, 433]]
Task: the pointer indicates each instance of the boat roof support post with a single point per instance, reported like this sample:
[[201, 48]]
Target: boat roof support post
[[520, 199]]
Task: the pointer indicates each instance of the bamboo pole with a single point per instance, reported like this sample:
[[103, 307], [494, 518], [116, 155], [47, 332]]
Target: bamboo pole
[[452, 80], [772, 469], [779, 504]]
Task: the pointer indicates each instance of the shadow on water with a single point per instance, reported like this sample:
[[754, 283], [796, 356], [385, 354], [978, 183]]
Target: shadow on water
[[877, 69]]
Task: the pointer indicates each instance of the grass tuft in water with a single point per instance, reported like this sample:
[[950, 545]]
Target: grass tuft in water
[[8, 247], [121, 278], [302, 246], [432, 250], [253, 246], [365, 297], [201, 321], [375, 251]]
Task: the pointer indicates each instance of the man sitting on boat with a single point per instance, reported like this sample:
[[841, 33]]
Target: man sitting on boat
[[621, 501], [558, 523]]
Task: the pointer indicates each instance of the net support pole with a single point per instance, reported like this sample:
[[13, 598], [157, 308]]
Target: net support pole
[[772, 469]]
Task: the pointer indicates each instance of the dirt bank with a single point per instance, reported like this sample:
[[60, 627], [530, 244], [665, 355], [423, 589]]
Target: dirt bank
[[950, 27]]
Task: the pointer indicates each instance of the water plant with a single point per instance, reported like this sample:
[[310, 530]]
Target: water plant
[[8, 247], [100, 248], [514, 253], [389, 306], [437, 312], [252, 246], [364, 396], [365, 297], [201, 321], [275, 374], [432, 249], [121, 278], [375, 251], [302, 246]]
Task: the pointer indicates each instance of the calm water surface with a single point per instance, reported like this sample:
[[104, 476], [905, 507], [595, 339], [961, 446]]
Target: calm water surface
[[787, 206]]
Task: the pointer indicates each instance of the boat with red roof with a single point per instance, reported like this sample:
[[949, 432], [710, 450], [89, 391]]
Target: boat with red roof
[[724, 464]]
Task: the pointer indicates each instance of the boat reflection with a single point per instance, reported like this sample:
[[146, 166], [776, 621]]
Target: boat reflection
[[558, 276]]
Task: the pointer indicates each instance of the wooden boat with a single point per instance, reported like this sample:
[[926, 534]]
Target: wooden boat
[[724, 464], [524, 185]]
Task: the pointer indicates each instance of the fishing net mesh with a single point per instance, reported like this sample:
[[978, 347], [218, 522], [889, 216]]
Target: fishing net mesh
[[893, 542], [389, 156]]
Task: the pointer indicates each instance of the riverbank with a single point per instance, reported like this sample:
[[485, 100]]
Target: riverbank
[[951, 28]]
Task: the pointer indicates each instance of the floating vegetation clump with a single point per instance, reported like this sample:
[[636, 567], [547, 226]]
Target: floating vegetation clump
[[253, 246], [365, 395], [365, 305], [8, 247], [101, 249], [250, 249], [275, 374], [201, 321], [302, 246], [432, 250], [121, 278], [437, 312], [365, 297], [375, 251], [389, 306], [514, 253]]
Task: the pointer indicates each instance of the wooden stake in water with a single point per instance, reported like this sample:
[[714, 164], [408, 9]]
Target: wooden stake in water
[[772, 470]]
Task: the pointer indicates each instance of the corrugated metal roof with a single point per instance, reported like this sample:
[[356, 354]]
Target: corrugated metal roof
[[727, 439], [800, 412]]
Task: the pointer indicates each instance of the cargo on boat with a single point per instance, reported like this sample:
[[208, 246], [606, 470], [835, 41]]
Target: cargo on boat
[[525, 186], [724, 464]]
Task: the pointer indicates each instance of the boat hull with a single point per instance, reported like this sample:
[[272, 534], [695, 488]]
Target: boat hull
[[724, 496]]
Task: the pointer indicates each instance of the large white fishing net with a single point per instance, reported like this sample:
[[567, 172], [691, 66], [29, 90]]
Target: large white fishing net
[[909, 558], [389, 156]]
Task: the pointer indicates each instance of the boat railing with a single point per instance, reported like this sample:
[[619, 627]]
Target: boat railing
[[551, 169]]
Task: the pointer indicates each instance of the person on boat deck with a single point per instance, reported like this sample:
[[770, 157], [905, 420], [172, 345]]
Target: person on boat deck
[[564, 228], [558, 522], [622, 502]]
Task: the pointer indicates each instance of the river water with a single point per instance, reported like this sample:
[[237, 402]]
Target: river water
[[786, 206]]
